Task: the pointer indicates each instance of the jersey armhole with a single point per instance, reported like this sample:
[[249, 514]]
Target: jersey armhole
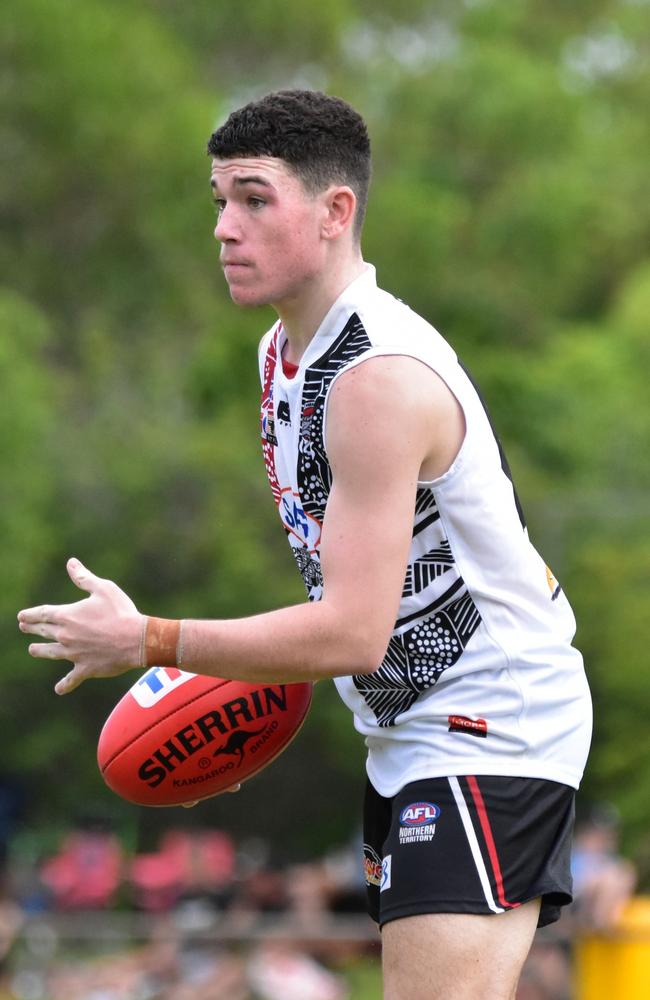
[[387, 351]]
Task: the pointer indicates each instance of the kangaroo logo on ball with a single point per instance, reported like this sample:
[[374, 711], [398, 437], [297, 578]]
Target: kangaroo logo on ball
[[236, 743]]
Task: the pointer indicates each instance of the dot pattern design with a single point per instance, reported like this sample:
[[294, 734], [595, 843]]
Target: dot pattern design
[[430, 648], [417, 657]]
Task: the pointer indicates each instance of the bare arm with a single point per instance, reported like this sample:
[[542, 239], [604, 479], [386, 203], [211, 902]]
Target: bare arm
[[378, 440]]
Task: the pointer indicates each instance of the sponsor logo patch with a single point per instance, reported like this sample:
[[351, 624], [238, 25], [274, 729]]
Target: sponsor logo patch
[[463, 724], [386, 867], [418, 814], [268, 429], [372, 866], [418, 822]]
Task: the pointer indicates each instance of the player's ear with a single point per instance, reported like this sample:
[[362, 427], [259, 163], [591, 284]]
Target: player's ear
[[340, 208]]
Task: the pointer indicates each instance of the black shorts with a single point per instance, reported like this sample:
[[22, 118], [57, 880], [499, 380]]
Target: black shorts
[[468, 845]]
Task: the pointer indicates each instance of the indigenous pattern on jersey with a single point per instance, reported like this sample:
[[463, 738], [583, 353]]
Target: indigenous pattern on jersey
[[434, 634], [431, 638], [313, 474], [479, 675]]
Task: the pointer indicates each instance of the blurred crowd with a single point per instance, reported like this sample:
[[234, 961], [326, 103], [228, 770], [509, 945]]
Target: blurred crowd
[[199, 916], [217, 920], [603, 882]]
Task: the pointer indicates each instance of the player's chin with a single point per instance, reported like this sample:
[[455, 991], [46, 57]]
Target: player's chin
[[247, 299], [244, 294]]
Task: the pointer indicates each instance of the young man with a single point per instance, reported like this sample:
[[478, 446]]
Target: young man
[[446, 634]]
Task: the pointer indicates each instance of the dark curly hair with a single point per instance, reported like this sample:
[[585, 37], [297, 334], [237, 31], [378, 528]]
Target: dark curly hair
[[321, 138]]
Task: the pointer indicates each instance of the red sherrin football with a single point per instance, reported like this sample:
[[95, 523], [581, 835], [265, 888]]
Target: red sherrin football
[[177, 737]]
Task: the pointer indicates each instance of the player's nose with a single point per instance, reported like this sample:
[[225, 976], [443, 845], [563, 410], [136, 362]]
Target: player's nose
[[226, 229]]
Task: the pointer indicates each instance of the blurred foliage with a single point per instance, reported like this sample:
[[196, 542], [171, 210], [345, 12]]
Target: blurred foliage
[[511, 206]]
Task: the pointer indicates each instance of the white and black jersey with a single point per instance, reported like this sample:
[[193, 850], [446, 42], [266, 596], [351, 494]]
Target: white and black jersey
[[480, 675]]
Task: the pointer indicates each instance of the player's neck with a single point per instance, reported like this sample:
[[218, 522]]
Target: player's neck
[[302, 316]]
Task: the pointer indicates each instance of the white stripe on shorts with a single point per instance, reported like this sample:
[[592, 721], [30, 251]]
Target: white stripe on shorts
[[474, 845]]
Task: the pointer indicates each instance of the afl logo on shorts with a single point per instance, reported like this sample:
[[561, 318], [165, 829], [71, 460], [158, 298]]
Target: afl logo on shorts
[[419, 814]]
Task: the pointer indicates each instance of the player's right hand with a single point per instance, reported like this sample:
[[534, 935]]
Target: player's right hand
[[100, 634]]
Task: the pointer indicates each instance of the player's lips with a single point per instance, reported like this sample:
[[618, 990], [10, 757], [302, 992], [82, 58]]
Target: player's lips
[[234, 264]]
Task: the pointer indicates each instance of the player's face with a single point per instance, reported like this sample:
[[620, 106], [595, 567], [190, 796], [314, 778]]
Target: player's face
[[269, 228]]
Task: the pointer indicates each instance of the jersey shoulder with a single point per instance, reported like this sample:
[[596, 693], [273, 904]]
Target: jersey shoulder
[[264, 347]]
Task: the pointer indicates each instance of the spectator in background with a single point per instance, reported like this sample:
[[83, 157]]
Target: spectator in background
[[603, 881], [87, 871], [185, 866]]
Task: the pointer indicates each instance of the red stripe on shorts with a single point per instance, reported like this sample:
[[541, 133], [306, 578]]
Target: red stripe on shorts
[[489, 840]]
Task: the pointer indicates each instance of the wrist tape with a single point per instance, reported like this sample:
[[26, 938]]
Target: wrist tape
[[161, 643]]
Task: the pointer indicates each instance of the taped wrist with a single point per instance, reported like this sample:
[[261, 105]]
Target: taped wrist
[[161, 644]]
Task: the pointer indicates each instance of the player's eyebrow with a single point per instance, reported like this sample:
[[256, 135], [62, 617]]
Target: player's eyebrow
[[247, 179], [253, 179]]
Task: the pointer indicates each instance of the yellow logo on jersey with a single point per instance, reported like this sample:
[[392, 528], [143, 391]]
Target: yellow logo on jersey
[[553, 585]]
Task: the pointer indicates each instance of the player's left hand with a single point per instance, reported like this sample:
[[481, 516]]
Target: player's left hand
[[99, 634]]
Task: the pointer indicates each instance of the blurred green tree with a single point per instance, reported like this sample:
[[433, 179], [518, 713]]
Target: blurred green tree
[[510, 207]]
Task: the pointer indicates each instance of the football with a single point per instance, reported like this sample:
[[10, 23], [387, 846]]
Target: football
[[177, 737]]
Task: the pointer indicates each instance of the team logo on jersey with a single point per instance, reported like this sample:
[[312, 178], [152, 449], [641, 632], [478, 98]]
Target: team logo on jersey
[[553, 585], [157, 683], [463, 724], [418, 822], [297, 521], [372, 866]]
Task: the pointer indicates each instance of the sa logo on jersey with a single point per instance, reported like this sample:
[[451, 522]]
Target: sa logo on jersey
[[419, 814], [297, 521], [156, 683]]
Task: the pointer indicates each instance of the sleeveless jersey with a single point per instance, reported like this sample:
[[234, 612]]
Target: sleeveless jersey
[[480, 675]]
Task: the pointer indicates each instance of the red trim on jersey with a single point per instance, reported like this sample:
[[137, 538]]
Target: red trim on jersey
[[289, 368], [267, 412], [489, 840]]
